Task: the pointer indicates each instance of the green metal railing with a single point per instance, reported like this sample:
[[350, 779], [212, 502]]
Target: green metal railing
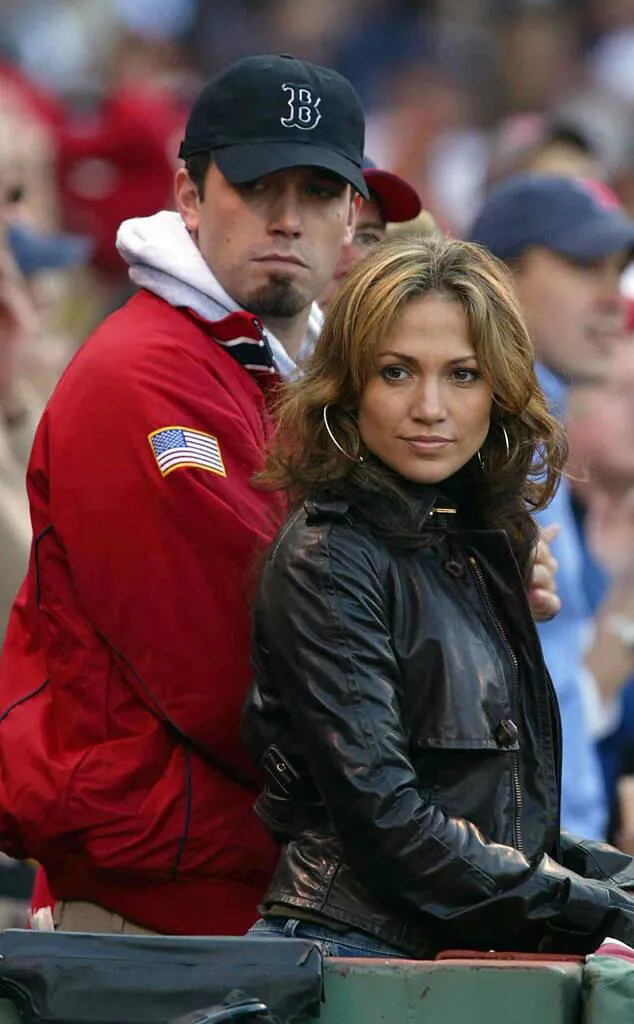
[[468, 992]]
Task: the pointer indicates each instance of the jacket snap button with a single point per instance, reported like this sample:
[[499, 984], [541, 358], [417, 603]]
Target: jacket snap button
[[454, 568], [506, 733]]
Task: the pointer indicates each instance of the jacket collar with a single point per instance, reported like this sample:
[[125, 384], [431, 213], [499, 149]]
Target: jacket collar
[[243, 337], [434, 510]]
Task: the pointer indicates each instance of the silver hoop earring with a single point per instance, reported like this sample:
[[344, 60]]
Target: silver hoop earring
[[506, 442], [353, 458], [507, 445]]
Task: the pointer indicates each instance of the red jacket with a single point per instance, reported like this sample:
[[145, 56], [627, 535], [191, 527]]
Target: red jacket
[[126, 659]]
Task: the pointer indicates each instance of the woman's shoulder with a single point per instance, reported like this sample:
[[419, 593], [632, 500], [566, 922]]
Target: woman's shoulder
[[325, 526]]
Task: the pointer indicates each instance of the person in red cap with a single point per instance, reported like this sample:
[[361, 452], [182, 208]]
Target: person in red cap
[[392, 200]]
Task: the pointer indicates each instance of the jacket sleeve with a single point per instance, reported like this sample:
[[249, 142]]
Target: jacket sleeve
[[322, 615], [160, 565], [592, 858]]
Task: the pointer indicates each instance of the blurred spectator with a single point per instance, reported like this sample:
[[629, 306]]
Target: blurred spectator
[[29, 119], [41, 349], [116, 162], [18, 320], [31, 359], [117, 158], [60, 44], [601, 427], [566, 242], [531, 143], [423, 225], [392, 201], [168, 20], [611, 63], [540, 47]]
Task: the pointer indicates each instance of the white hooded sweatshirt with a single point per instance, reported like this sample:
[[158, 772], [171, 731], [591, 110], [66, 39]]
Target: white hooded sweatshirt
[[164, 259]]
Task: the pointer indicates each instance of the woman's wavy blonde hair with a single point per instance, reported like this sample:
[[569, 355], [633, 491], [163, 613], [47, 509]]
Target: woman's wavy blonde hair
[[303, 459]]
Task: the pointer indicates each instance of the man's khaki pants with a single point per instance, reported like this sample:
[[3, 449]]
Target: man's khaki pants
[[77, 916]]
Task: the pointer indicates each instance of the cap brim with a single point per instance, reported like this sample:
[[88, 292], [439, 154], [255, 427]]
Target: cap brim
[[35, 251], [596, 238], [248, 161], [398, 200]]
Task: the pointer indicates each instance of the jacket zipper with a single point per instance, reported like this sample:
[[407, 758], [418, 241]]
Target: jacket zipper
[[479, 575]]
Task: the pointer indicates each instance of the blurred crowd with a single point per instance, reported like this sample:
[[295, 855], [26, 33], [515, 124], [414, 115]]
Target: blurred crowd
[[459, 95]]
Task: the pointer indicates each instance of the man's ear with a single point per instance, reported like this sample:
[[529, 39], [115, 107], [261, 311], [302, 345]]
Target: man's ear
[[187, 200], [353, 215]]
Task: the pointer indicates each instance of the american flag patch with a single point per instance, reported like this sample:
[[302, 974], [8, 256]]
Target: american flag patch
[[180, 447]]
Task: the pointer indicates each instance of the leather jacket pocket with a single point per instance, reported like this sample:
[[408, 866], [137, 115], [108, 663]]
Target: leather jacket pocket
[[474, 777], [501, 735]]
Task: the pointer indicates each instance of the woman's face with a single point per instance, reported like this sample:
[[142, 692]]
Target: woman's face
[[426, 409]]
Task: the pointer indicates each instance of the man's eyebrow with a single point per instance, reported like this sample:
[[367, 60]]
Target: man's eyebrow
[[324, 175]]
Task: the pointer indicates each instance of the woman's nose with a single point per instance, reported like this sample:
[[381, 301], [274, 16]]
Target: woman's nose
[[429, 403]]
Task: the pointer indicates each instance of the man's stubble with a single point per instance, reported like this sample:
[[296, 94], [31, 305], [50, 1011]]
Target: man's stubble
[[279, 298]]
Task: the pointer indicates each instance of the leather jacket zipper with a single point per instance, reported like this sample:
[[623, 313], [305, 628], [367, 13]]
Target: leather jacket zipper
[[515, 771]]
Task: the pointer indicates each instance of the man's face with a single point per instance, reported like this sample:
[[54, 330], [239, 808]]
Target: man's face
[[601, 423], [274, 242], [370, 230], [575, 310]]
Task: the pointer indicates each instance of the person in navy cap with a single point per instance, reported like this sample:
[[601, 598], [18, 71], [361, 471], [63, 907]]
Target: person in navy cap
[[567, 241]]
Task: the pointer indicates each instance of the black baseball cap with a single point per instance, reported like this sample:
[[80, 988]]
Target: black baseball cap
[[576, 218], [269, 113]]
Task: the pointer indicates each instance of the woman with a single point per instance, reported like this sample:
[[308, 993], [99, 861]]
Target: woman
[[400, 708]]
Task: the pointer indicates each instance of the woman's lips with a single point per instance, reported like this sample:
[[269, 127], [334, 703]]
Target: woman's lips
[[427, 444]]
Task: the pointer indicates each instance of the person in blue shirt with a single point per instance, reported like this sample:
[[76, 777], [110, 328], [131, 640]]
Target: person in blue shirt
[[567, 242], [600, 429]]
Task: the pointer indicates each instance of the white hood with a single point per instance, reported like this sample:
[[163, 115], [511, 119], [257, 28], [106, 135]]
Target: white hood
[[163, 259]]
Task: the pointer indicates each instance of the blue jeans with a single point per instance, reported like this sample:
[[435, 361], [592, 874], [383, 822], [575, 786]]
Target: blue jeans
[[330, 942]]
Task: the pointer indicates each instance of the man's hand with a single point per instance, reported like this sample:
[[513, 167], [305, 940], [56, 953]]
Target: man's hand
[[542, 586]]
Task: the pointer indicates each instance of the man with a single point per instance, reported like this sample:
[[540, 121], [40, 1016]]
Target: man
[[127, 654], [392, 200], [567, 242]]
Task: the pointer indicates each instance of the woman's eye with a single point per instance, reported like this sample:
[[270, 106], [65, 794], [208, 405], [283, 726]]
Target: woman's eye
[[464, 375], [394, 373]]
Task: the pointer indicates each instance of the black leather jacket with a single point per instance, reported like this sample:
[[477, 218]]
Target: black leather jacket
[[411, 743]]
